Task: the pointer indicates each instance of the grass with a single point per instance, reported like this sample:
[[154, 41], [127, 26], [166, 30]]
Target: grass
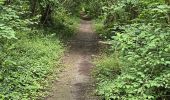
[[65, 24], [27, 64], [106, 67], [98, 26]]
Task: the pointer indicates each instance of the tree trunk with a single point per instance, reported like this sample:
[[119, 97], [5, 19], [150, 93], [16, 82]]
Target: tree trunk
[[168, 3], [33, 5], [7, 2], [46, 15]]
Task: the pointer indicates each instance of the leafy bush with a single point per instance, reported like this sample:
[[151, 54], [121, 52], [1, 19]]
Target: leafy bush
[[142, 44], [30, 48], [144, 62], [107, 67], [26, 64], [65, 23], [124, 12]]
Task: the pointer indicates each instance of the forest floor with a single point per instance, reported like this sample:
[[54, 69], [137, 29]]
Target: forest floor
[[75, 82]]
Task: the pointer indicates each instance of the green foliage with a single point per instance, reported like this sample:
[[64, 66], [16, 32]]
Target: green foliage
[[6, 32], [7, 25], [29, 51], [99, 27], [125, 12], [92, 8], [25, 66], [107, 68], [144, 59], [140, 35], [65, 23]]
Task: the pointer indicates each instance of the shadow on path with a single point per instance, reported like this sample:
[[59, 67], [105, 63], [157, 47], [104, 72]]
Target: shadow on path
[[75, 81]]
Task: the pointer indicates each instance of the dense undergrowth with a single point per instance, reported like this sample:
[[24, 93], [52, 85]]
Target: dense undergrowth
[[137, 66], [30, 46], [26, 64]]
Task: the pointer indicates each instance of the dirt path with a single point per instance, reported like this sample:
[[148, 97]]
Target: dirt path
[[75, 82]]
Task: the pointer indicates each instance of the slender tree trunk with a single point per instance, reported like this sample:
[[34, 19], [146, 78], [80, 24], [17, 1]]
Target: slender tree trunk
[[33, 5], [133, 12], [46, 15], [168, 3], [7, 2]]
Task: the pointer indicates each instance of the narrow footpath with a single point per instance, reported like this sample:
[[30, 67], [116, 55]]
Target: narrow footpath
[[75, 81]]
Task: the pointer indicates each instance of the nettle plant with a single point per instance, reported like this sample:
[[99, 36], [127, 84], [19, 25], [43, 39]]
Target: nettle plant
[[145, 73]]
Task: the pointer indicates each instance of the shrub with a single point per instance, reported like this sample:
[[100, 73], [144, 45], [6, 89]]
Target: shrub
[[107, 67], [25, 66], [143, 53]]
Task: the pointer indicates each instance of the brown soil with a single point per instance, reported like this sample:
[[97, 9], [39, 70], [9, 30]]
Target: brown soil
[[75, 82]]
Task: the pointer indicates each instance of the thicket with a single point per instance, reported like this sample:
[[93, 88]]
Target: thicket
[[138, 64], [30, 47], [136, 68]]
